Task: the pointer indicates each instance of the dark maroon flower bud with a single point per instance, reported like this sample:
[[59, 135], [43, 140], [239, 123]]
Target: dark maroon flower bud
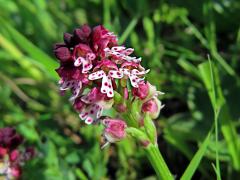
[[86, 30], [58, 45], [69, 72], [82, 33], [68, 38], [101, 38], [63, 54]]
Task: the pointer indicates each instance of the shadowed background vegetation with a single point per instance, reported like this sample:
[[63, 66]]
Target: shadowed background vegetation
[[193, 51]]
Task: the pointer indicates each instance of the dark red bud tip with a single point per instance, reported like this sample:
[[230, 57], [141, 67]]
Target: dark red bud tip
[[58, 45], [67, 38], [121, 108], [63, 54], [144, 143], [141, 122], [82, 33], [86, 30]]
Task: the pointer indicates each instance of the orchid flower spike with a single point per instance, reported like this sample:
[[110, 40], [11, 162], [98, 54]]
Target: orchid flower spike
[[102, 74]]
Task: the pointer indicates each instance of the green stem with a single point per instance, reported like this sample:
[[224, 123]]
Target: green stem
[[158, 163]]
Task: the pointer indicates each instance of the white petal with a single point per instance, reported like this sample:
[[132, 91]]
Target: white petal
[[118, 48], [135, 80], [128, 51], [90, 56], [66, 85], [85, 99], [91, 113], [110, 90], [89, 120], [78, 61], [96, 75], [137, 72], [86, 66], [137, 60], [83, 115], [115, 53], [76, 89], [99, 112], [107, 86], [132, 59], [125, 71], [115, 74], [107, 50]]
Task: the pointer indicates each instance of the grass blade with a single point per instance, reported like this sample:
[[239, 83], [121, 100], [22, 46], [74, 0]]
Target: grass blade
[[128, 30], [192, 167], [36, 53], [218, 102]]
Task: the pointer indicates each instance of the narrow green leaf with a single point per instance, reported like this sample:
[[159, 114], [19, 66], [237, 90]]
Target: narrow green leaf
[[107, 13], [220, 106], [192, 167], [37, 54], [187, 66], [216, 108], [128, 30], [23, 61]]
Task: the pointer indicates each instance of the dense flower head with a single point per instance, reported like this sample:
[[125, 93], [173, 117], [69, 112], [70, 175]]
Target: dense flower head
[[101, 75], [92, 66], [11, 158]]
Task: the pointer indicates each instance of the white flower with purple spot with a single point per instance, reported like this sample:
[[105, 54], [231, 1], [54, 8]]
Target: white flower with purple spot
[[106, 87], [84, 56], [91, 113], [92, 105], [133, 75], [121, 54], [74, 85]]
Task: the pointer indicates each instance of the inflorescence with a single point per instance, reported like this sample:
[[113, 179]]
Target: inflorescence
[[102, 74]]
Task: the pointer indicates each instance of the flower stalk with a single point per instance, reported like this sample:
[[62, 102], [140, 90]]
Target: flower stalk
[[158, 163]]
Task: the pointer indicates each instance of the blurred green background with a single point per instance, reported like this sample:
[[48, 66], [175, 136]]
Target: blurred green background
[[192, 49]]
